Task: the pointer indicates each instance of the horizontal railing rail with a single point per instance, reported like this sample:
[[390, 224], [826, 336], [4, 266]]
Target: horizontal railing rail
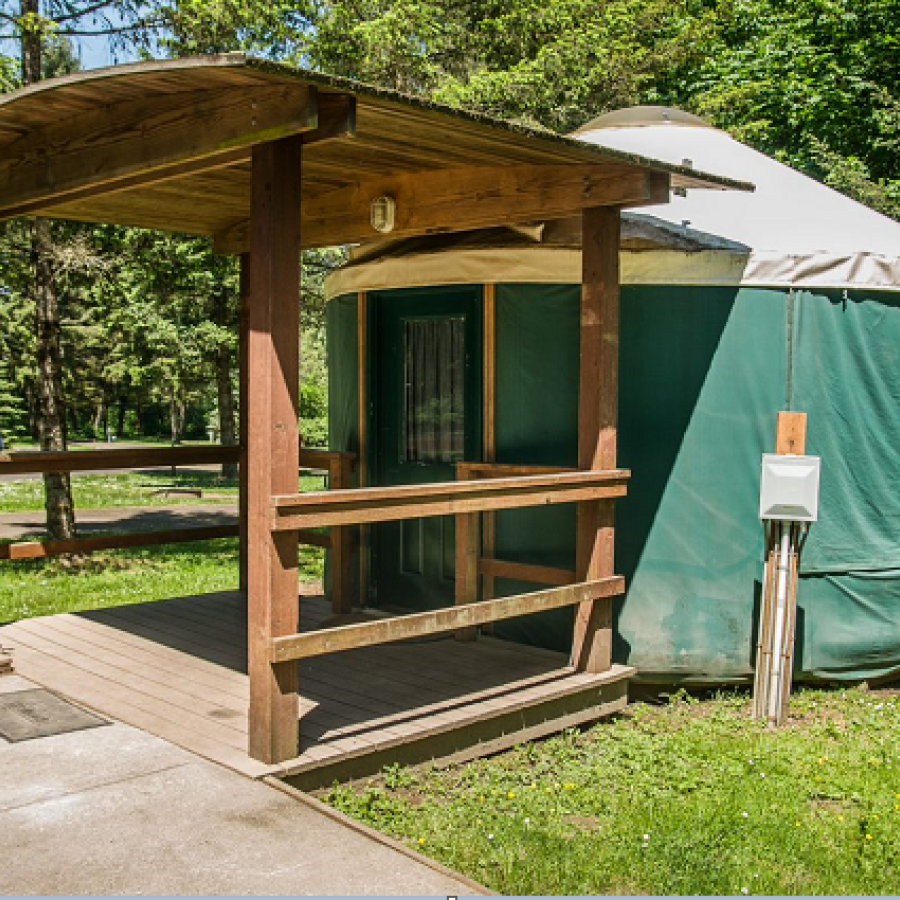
[[84, 546], [366, 505], [79, 546], [441, 621], [466, 500], [37, 462], [517, 571], [338, 465], [486, 565]]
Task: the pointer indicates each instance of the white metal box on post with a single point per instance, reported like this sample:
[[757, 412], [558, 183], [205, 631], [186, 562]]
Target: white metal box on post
[[788, 503], [789, 489]]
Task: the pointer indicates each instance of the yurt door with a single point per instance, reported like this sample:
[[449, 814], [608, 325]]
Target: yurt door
[[427, 418]]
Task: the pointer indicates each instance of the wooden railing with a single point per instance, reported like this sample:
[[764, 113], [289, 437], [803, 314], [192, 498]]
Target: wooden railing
[[503, 488], [339, 467], [37, 462], [487, 566]]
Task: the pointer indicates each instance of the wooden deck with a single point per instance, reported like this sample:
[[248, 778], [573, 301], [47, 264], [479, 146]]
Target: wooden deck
[[177, 669]]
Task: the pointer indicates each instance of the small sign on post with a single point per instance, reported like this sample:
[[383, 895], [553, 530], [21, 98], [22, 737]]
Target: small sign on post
[[788, 503]]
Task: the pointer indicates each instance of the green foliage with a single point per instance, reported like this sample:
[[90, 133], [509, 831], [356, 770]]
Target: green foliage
[[190, 27], [556, 64], [813, 83], [690, 798]]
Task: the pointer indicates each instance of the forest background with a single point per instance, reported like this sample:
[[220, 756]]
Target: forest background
[[117, 333]]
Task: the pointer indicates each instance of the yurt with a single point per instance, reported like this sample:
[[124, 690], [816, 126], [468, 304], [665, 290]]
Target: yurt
[[734, 306]]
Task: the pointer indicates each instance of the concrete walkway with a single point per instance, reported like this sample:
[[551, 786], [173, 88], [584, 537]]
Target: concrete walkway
[[112, 810], [22, 526]]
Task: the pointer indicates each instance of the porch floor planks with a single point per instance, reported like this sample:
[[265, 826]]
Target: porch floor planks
[[176, 668]]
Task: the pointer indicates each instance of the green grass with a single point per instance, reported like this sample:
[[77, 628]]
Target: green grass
[[44, 587], [688, 798], [114, 578], [131, 489]]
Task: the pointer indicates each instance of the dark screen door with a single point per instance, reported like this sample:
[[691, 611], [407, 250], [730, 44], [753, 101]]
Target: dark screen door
[[427, 418]]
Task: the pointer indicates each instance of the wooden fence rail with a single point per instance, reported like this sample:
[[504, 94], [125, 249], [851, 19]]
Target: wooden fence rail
[[464, 499], [417, 625], [83, 546], [44, 549], [339, 466], [38, 462], [366, 505]]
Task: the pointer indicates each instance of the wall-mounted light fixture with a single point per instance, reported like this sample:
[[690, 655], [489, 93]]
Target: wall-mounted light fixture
[[383, 214]]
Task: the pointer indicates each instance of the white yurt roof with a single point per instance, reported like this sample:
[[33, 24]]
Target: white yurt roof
[[799, 232], [791, 232]]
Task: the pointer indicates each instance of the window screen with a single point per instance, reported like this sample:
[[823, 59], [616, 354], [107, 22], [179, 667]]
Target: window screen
[[434, 366]]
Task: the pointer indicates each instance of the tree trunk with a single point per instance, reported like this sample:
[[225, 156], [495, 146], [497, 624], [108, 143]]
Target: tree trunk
[[98, 417], [50, 412], [50, 407], [174, 429], [227, 427], [120, 418], [227, 422]]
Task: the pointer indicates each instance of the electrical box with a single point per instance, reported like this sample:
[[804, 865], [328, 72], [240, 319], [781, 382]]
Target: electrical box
[[790, 488]]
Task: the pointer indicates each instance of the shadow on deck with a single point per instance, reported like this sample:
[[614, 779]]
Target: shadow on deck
[[177, 669]]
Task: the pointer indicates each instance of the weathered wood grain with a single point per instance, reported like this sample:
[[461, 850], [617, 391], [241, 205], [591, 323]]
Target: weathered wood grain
[[367, 634], [367, 505], [273, 450], [597, 427]]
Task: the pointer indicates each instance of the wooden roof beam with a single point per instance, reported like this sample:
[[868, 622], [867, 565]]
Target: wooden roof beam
[[464, 199], [125, 145]]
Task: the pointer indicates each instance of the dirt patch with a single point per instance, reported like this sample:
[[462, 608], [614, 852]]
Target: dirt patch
[[583, 823]]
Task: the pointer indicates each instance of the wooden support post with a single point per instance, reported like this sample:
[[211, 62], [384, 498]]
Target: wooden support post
[[597, 423], [467, 556], [790, 437], [273, 449], [488, 429], [243, 395], [362, 462], [339, 476]]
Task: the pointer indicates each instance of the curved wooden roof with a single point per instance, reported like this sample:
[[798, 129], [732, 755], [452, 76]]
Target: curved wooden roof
[[167, 145]]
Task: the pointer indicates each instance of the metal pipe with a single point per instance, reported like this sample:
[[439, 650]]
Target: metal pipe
[[778, 631]]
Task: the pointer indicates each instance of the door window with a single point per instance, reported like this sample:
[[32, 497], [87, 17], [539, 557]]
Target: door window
[[434, 379]]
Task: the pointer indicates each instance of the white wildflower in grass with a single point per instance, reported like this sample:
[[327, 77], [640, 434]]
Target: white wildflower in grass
[[745, 815], [745, 890], [646, 837], [490, 837]]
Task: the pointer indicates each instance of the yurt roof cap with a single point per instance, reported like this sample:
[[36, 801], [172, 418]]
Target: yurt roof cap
[[643, 116]]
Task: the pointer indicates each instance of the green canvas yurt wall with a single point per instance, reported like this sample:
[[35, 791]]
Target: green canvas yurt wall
[[702, 373]]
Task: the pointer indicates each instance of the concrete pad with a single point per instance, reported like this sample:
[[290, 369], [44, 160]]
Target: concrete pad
[[11, 684], [51, 767], [116, 811]]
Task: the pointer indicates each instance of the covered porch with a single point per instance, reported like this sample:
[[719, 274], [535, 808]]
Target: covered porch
[[178, 669], [269, 160]]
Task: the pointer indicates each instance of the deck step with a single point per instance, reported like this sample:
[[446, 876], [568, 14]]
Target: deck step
[[570, 700]]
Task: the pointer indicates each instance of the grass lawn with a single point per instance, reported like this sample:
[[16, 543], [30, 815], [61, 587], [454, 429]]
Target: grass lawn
[[132, 489], [35, 587], [687, 798], [113, 578]]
